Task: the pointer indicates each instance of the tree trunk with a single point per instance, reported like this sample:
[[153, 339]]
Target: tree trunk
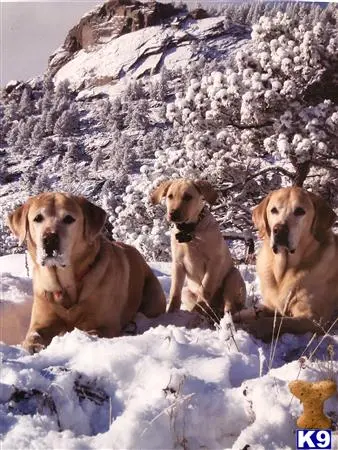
[[302, 171]]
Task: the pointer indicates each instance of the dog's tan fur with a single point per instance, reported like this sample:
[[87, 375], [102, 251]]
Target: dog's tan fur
[[103, 284], [205, 261], [300, 279]]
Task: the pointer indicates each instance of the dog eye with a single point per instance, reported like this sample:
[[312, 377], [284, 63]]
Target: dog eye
[[187, 197], [274, 210], [68, 219], [38, 218], [170, 196], [299, 211]]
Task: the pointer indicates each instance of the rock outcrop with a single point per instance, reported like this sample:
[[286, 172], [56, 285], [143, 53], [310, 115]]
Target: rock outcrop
[[113, 19]]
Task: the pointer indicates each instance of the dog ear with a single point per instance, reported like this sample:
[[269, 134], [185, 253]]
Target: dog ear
[[208, 192], [324, 217], [160, 192], [94, 218], [259, 217], [18, 222]]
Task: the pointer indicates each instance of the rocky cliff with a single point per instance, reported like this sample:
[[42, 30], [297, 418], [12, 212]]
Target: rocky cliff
[[124, 40], [113, 19]]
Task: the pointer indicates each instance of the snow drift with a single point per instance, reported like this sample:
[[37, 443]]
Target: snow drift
[[175, 383]]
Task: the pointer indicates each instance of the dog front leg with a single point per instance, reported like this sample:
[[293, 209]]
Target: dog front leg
[[177, 281], [208, 287]]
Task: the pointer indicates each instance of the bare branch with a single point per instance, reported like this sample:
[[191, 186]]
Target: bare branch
[[285, 172]]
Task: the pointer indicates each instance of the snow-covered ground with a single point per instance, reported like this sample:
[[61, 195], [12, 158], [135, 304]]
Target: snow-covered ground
[[174, 383]]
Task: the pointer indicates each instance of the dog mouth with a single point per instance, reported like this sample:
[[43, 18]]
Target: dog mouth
[[276, 247], [51, 259], [280, 239], [175, 217], [49, 253], [178, 222]]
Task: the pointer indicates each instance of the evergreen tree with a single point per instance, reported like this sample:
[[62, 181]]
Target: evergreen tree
[[41, 184], [24, 132], [63, 91], [50, 120], [13, 134], [48, 85], [68, 123], [11, 111], [4, 130], [38, 132], [135, 91], [47, 101], [47, 147], [97, 161], [26, 106], [73, 154], [138, 116]]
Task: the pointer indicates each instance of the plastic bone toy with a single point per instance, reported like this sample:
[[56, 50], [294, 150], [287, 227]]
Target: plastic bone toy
[[313, 396]]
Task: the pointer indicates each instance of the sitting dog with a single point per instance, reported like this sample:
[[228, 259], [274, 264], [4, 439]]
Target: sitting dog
[[297, 265], [199, 251], [80, 279]]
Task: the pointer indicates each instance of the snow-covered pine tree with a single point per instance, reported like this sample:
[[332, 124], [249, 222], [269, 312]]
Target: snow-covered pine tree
[[26, 105], [266, 120], [68, 123]]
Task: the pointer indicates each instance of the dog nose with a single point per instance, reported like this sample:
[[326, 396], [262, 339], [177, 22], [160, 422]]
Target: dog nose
[[51, 244], [281, 234], [280, 228], [174, 215]]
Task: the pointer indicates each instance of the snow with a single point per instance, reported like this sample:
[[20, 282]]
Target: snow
[[207, 25], [14, 265], [15, 298], [177, 383], [111, 58]]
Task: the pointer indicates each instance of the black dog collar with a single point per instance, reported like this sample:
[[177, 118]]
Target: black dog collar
[[186, 230]]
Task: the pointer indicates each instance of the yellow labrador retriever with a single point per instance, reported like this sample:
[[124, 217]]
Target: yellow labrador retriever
[[80, 279], [297, 264], [199, 251]]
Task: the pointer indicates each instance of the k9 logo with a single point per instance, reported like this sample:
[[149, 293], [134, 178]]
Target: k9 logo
[[314, 439]]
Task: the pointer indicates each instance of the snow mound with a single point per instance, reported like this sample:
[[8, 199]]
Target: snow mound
[[16, 297], [175, 385]]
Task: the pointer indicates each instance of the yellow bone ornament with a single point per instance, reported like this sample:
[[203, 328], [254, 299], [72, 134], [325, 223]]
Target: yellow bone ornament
[[313, 396]]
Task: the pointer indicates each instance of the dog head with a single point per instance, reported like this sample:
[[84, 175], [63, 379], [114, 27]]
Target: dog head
[[185, 199], [288, 215], [56, 225]]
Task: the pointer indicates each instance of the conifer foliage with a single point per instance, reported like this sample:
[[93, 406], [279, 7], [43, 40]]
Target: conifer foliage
[[261, 117]]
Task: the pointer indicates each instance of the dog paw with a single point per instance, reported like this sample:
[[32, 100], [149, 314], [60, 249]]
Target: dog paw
[[33, 343], [33, 347]]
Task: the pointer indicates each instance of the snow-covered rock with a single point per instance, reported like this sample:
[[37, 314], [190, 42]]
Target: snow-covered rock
[[129, 57]]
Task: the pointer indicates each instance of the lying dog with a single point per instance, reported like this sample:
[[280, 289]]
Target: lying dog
[[80, 279], [199, 251], [297, 264]]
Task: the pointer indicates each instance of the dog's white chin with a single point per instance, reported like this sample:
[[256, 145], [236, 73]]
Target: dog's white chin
[[57, 260], [53, 262]]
